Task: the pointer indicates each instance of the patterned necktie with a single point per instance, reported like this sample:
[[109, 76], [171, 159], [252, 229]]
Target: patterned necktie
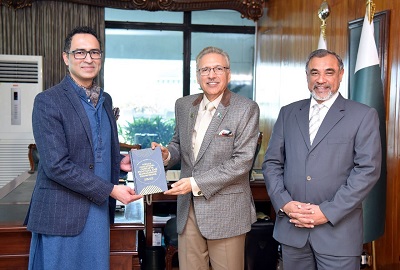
[[315, 121], [202, 128]]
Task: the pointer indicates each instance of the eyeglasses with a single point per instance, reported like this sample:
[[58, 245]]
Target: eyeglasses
[[219, 70], [81, 54]]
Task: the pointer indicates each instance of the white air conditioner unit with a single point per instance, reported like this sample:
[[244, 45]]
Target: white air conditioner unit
[[21, 79]]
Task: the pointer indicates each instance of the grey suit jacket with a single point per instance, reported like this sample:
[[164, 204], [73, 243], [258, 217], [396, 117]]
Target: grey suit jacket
[[336, 172], [66, 184], [222, 166]]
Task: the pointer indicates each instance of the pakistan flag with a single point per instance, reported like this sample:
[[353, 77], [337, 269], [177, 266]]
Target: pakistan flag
[[368, 89]]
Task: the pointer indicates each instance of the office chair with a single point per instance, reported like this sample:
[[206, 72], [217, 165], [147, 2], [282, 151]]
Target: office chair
[[33, 156], [258, 147], [171, 242], [124, 148]]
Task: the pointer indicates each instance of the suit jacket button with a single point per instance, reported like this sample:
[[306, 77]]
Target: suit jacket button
[[199, 193], [308, 178], [91, 166]]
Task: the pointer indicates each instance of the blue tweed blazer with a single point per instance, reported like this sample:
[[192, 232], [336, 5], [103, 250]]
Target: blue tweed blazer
[[66, 185]]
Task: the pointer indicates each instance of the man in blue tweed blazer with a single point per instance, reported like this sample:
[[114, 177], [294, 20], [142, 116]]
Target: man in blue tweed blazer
[[215, 204], [76, 136]]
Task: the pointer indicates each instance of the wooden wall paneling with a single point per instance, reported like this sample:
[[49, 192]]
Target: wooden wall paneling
[[268, 74], [289, 31], [388, 246]]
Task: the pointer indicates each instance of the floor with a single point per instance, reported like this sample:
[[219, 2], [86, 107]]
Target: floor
[[278, 267]]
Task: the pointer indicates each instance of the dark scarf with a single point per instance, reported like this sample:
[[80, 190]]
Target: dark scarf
[[92, 92]]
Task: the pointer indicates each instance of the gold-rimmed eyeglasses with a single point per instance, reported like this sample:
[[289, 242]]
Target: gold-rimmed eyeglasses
[[219, 70], [81, 54]]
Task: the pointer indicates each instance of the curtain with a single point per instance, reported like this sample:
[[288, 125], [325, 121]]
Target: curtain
[[41, 30]]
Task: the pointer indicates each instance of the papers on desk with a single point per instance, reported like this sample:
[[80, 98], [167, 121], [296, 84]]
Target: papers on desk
[[173, 175], [255, 175], [162, 219]]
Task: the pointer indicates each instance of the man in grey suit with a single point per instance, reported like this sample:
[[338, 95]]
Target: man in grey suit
[[73, 202], [215, 207], [316, 177]]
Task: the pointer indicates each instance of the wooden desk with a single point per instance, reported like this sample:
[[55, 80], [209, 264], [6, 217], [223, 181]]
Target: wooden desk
[[15, 239], [257, 188]]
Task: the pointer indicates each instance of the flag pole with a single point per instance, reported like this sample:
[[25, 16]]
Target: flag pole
[[373, 256], [323, 14], [370, 14], [370, 10]]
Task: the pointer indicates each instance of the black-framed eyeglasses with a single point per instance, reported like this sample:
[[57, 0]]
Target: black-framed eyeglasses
[[81, 54], [219, 70]]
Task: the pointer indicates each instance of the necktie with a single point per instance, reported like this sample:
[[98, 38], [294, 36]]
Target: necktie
[[315, 121], [202, 128]]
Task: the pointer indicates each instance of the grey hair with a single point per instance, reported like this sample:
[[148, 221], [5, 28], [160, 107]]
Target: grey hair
[[322, 53], [211, 49]]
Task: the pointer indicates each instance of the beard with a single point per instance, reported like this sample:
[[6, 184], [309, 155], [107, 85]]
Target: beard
[[319, 98]]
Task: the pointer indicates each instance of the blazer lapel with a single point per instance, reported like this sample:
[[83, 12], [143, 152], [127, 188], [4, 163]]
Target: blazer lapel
[[194, 110], [302, 121], [76, 103], [212, 129], [218, 116]]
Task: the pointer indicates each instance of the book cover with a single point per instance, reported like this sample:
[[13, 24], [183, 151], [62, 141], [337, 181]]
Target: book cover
[[148, 171]]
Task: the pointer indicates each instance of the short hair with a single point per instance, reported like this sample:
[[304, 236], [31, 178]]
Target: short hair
[[322, 53], [79, 30], [211, 49]]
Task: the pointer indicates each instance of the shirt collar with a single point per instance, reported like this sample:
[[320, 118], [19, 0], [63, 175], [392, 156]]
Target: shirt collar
[[205, 101]]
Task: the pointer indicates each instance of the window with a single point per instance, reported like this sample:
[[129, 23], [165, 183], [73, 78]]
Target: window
[[150, 63]]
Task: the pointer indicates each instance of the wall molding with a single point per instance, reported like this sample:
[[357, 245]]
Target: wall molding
[[250, 9]]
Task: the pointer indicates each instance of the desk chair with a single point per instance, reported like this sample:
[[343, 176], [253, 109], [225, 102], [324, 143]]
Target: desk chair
[[258, 147], [124, 147], [171, 242], [33, 156]]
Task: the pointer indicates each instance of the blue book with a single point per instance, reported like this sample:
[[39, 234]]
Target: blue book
[[148, 171]]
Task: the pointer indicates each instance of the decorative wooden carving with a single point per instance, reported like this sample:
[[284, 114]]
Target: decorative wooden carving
[[250, 9], [16, 4]]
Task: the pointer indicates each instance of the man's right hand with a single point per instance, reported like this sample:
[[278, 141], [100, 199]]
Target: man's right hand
[[164, 150], [296, 207]]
